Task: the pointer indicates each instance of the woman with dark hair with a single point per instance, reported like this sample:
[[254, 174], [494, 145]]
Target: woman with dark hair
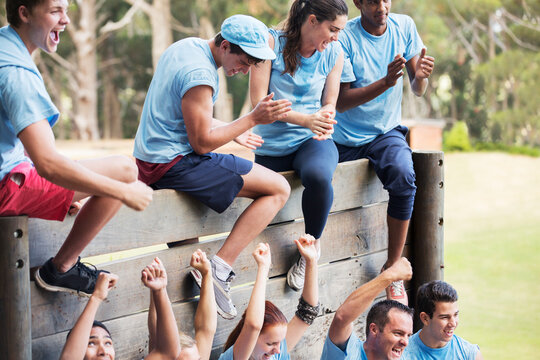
[[263, 332], [306, 71]]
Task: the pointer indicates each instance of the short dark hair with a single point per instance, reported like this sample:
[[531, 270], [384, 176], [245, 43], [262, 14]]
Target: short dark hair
[[237, 50], [95, 324], [430, 293], [12, 9], [378, 314]]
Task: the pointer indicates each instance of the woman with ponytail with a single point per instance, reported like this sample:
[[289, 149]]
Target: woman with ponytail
[[306, 71], [263, 333]]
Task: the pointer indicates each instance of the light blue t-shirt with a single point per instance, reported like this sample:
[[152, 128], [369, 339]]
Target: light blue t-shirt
[[23, 98], [354, 350], [456, 349], [162, 135], [366, 61], [304, 90], [283, 354]]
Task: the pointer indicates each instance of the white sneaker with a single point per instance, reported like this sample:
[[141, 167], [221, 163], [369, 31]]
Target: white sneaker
[[222, 289], [297, 273]]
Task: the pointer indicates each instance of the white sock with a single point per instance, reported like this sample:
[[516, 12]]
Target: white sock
[[222, 268]]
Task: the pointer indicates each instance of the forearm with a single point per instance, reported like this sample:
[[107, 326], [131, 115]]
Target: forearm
[[310, 293], [77, 342], [221, 133], [353, 97], [167, 337], [69, 174], [205, 316], [152, 324], [419, 86], [255, 309]]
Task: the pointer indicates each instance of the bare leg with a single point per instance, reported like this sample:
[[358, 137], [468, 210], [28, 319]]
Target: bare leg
[[269, 192], [397, 235], [96, 212]]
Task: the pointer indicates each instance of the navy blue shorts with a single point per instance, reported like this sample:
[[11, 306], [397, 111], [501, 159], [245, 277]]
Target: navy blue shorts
[[391, 158], [212, 178]]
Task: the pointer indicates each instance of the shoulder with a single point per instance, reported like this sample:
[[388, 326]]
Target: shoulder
[[463, 346]]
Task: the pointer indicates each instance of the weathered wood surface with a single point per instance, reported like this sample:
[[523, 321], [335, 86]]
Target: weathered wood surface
[[428, 218], [14, 289], [336, 281], [171, 216], [347, 234]]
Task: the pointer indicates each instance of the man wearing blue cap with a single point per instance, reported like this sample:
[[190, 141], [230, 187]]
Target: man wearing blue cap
[[177, 134]]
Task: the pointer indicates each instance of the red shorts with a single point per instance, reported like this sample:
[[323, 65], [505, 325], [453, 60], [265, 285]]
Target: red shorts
[[24, 192]]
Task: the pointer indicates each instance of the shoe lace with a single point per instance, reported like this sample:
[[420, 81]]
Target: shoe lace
[[396, 288], [87, 270]]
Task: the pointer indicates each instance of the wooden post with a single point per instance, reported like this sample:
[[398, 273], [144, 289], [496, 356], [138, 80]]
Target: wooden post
[[427, 218], [15, 334]]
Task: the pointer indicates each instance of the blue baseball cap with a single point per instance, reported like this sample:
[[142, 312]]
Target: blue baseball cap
[[248, 33]]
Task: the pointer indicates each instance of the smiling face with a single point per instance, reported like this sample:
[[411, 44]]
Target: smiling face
[[374, 14], [41, 25], [234, 63], [390, 342], [100, 345], [439, 329], [269, 341], [318, 35]]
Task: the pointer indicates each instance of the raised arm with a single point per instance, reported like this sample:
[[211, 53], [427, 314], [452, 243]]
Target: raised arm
[[197, 108], [38, 141], [247, 339], [310, 294], [205, 316], [353, 97], [167, 340], [77, 341], [419, 69], [360, 300]]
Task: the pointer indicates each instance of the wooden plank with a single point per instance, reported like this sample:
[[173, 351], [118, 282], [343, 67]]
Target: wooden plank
[[174, 216], [15, 335], [337, 280], [348, 234]]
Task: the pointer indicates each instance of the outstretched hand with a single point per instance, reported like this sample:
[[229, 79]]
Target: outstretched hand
[[262, 255], [249, 140], [154, 275], [424, 65], [137, 195], [306, 247], [267, 110], [104, 283], [200, 262]]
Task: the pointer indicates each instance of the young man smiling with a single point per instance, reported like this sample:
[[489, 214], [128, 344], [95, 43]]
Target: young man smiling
[[369, 108], [388, 324], [178, 133], [37, 181], [436, 305]]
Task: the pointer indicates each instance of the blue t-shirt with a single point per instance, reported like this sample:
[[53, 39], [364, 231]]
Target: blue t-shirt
[[162, 135], [366, 61], [304, 90], [23, 98], [354, 350], [283, 354], [456, 349]]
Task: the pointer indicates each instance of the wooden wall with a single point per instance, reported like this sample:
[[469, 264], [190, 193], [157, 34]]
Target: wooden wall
[[354, 247]]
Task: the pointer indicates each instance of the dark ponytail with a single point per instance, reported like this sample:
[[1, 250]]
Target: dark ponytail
[[300, 10]]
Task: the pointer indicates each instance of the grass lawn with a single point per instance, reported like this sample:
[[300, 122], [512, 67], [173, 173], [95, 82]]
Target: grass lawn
[[492, 233]]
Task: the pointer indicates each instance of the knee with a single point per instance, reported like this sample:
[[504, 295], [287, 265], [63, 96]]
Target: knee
[[282, 190], [126, 169], [402, 181]]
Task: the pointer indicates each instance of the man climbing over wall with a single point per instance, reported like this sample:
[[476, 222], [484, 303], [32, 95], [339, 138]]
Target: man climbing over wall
[[36, 180], [378, 45], [177, 134]]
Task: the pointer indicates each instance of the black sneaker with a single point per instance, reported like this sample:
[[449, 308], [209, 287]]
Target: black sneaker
[[80, 279]]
